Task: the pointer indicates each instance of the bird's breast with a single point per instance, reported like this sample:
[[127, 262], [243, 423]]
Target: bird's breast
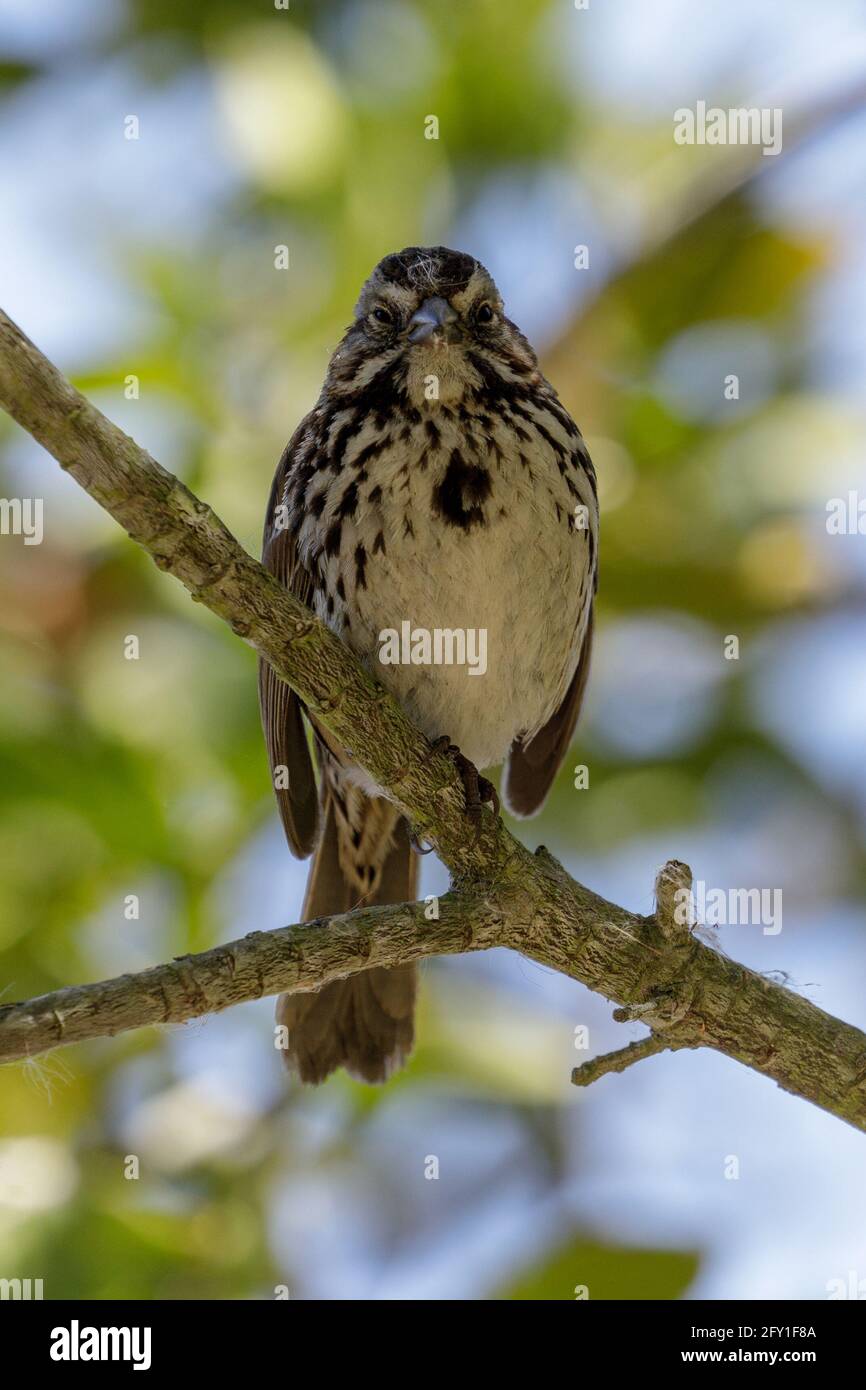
[[459, 575]]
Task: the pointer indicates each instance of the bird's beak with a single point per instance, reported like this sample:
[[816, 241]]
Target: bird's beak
[[435, 319]]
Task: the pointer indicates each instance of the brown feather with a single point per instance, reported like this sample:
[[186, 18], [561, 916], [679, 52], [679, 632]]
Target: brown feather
[[532, 766], [282, 721], [364, 1023]]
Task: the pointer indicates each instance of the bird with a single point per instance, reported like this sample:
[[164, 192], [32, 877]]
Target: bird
[[438, 485]]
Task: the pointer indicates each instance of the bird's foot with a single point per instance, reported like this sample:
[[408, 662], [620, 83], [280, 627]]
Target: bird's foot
[[416, 843], [479, 791]]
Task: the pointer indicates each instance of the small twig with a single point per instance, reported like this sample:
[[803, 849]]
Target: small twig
[[618, 1061], [673, 892]]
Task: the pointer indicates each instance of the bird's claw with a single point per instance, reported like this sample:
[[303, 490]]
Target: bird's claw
[[479, 791], [417, 845]]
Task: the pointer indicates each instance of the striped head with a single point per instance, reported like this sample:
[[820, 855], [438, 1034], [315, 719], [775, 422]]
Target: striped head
[[432, 322]]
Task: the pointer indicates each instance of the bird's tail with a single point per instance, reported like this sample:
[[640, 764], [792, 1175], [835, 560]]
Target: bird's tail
[[366, 1022]]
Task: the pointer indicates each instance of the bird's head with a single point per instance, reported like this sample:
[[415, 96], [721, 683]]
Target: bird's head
[[431, 315]]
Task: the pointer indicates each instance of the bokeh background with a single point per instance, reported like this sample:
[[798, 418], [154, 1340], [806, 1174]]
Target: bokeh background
[[155, 258]]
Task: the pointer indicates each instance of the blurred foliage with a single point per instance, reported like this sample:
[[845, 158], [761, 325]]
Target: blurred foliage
[[147, 777], [609, 1272]]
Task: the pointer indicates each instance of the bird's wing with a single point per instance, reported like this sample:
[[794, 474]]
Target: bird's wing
[[282, 721], [532, 766]]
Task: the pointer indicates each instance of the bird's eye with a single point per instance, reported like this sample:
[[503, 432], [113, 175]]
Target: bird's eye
[[484, 314], [382, 315]]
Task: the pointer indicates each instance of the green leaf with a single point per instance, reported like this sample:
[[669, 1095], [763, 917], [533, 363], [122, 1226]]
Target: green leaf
[[605, 1271]]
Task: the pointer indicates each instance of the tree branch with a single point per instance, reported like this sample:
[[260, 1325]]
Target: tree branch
[[292, 958], [654, 967], [618, 1061]]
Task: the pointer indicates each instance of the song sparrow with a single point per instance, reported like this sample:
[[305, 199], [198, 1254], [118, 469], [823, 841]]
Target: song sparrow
[[440, 483]]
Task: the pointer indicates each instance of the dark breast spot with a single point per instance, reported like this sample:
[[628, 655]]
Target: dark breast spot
[[360, 567], [382, 394], [349, 501], [370, 452], [332, 540], [338, 447], [460, 496]]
